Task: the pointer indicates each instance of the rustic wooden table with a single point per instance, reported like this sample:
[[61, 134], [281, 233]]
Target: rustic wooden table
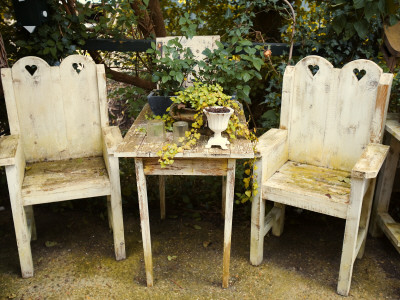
[[381, 220], [196, 161]]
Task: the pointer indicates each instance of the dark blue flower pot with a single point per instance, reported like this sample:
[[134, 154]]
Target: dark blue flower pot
[[158, 104]]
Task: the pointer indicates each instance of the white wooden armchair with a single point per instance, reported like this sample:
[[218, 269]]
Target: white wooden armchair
[[61, 146], [326, 154]]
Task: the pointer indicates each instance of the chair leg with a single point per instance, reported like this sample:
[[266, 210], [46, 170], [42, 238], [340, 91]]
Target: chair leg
[[366, 213], [31, 221], [257, 221], [115, 207], [277, 227], [350, 236], [162, 196], [20, 223]]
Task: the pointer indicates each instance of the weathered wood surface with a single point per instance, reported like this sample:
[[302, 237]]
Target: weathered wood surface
[[135, 144], [203, 167], [370, 161], [56, 116], [66, 121], [313, 188], [333, 114], [112, 138], [8, 149], [327, 153], [64, 180]]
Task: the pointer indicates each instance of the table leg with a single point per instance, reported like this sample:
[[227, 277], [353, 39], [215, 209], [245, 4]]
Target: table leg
[[144, 220], [230, 186], [162, 196]]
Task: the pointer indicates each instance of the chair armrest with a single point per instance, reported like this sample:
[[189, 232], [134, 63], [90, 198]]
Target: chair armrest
[[111, 139], [272, 148], [8, 149], [370, 162]]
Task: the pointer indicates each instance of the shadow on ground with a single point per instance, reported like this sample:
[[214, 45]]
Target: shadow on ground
[[73, 259]]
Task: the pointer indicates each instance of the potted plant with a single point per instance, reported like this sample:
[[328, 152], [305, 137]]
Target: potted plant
[[173, 65], [199, 97]]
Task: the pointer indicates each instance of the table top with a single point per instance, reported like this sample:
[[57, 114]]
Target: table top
[[393, 125], [135, 144]]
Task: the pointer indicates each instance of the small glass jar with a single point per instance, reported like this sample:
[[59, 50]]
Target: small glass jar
[[155, 131], [179, 129]]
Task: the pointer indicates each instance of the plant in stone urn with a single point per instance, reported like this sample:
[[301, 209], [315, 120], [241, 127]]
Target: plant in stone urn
[[218, 118]]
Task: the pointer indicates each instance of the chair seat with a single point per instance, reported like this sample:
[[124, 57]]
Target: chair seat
[[64, 180], [310, 187]]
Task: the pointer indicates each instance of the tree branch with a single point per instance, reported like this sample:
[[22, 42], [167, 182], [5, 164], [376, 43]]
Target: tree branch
[[123, 77], [144, 23], [157, 18]]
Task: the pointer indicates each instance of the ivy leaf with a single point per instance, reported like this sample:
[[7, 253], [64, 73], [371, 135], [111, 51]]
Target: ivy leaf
[[246, 77], [146, 2], [228, 14], [371, 10], [359, 4], [362, 28], [257, 63], [339, 23]]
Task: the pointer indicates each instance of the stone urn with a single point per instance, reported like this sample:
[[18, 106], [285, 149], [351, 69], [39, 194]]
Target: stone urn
[[218, 118]]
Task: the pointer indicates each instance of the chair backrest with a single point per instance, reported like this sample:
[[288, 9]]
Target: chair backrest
[[332, 114], [57, 111]]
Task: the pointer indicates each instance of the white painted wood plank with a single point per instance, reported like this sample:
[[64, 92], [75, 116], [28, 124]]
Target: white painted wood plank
[[287, 94], [273, 148], [230, 193], [102, 92], [309, 187], [144, 220], [112, 138], [350, 236], [354, 111], [8, 149], [40, 109], [312, 96], [257, 218], [199, 167], [381, 107], [81, 106], [116, 209], [65, 180], [15, 175], [370, 162], [11, 105]]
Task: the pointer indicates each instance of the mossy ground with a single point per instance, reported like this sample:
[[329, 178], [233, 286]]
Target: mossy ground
[[79, 264]]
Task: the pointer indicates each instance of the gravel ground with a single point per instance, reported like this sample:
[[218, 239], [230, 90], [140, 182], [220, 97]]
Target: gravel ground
[[73, 259]]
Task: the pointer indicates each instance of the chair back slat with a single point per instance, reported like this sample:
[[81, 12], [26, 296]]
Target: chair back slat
[[57, 107], [332, 114]]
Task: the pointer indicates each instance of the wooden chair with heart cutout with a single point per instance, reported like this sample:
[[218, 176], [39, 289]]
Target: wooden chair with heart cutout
[[326, 154], [61, 146]]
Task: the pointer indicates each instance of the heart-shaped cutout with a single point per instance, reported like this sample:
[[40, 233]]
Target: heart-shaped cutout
[[359, 73], [313, 69], [78, 67], [31, 69]]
